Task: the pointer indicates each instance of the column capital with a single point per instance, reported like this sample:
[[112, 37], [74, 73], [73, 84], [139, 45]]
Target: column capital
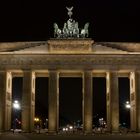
[[113, 72], [90, 70], [53, 71], [27, 70]]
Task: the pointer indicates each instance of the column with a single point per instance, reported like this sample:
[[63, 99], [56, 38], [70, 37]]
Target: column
[[5, 100], [138, 101], [108, 102], [114, 102], [133, 101], [53, 114], [28, 101], [87, 102], [2, 98]]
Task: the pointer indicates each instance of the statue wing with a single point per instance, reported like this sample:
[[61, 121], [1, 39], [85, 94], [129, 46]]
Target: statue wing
[[69, 8]]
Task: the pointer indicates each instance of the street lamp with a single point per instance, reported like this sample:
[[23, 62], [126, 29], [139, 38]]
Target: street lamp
[[36, 119], [46, 123], [37, 123], [16, 106], [127, 105]]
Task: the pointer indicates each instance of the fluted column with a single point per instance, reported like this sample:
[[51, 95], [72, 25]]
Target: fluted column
[[87, 102], [2, 93], [5, 100], [53, 114], [114, 102], [108, 101], [28, 101], [137, 101], [133, 101]]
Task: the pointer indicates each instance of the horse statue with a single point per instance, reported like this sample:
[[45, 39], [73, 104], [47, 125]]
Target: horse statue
[[84, 32], [65, 31], [57, 31], [76, 30]]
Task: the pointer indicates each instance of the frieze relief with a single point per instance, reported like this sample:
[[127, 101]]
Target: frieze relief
[[70, 48], [70, 45], [67, 60]]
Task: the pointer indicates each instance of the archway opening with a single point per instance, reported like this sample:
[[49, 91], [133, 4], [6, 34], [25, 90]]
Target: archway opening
[[41, 103], [124, 102], [17, 90], [99, 103], [70, 104]]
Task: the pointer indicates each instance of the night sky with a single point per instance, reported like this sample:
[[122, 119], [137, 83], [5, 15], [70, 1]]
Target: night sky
[[110, 20], [33, 21]]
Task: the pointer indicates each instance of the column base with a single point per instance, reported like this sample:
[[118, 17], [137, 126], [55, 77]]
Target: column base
[[28, 131], [87, 132], [115, 132], [2, 131], [52, 132], [137, 130]]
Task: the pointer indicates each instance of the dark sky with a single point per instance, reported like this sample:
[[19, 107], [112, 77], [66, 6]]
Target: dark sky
[[70, 100], [110, 20]]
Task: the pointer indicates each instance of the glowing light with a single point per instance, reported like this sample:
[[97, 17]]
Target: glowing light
[[70, 127], [127, 105], [36, 119], [16, 102], [64, 129], [127, 102], [16, 105]]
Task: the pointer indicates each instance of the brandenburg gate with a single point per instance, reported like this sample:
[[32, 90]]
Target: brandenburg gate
[[69, 54]]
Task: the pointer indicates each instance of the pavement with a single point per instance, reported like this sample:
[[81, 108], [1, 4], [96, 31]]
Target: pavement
[[36, 136]]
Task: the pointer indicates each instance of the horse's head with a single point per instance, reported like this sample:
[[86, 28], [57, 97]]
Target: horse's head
[[65, 25], [55, 26], [86, 25], [76, 25]]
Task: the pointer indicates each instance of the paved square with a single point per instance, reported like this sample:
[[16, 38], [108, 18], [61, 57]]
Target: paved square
[[27, 136]]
